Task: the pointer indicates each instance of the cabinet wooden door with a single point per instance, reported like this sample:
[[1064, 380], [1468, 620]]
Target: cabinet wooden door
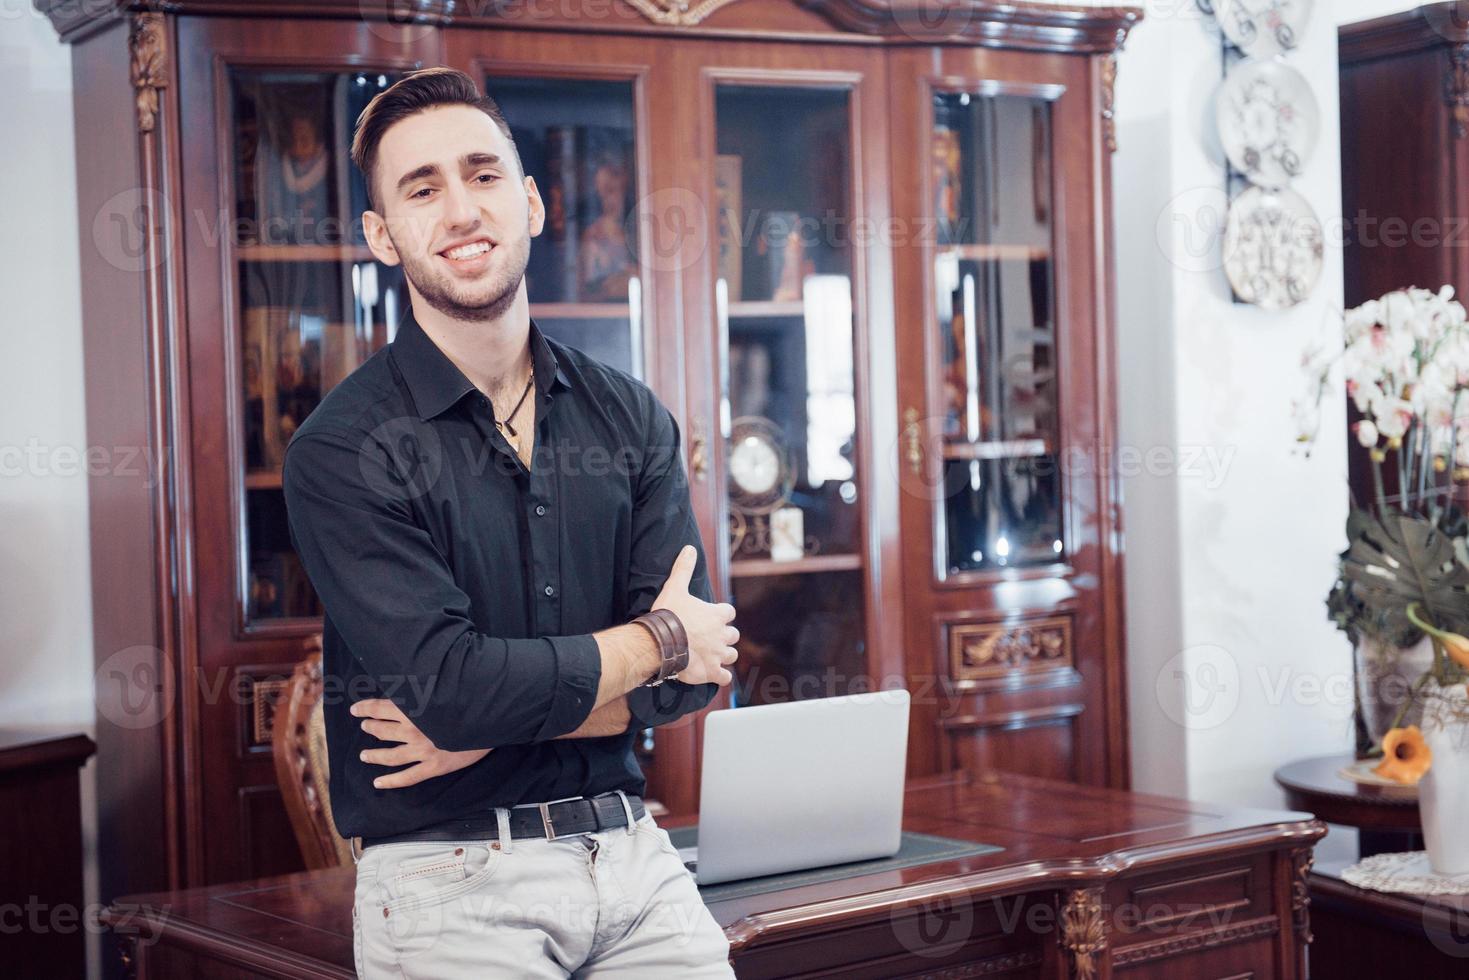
[[786, 325], [283, 300], [1009, 551]]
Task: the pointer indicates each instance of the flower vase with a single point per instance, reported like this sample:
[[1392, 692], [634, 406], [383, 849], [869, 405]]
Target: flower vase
[[1385, 678], [1443, 793]]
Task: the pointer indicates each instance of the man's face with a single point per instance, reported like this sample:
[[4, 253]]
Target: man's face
[[455, 211]]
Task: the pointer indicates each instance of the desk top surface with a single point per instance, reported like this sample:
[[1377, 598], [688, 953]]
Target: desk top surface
[[1053, 835]]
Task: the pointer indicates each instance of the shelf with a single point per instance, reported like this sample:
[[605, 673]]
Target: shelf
[[753, 567], [999, 449], [262, 479], [766, 309], [579, 311], [304, 253], [992, 252]]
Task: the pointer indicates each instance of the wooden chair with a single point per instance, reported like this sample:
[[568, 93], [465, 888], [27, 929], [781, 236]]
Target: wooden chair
[[299, 747]]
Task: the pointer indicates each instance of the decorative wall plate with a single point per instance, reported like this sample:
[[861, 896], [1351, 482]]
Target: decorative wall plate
[[1268, 121], [1261, 28], [1272, 248]]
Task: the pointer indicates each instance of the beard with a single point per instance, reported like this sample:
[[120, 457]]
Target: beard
[[474, 302]]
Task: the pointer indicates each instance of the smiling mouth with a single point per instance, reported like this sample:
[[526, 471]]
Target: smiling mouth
[[464, 253]]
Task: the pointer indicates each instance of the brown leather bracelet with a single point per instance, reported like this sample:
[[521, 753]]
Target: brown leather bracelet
[[672, 640]]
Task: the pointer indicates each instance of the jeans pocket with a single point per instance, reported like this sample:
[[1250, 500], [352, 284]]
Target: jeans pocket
[[430, 873]]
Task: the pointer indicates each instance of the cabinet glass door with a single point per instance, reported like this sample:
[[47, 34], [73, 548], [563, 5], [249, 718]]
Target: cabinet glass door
[[313, 304], [788, 398], [577, 138], [995, 315]]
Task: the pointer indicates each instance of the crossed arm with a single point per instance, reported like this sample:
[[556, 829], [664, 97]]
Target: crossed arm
[[705, 621], [384, 720]]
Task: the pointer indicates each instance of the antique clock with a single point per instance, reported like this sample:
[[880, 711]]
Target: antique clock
[[761, 478]]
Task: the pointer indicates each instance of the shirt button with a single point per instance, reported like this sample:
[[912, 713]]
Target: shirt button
[[540, 510], [550, 590]]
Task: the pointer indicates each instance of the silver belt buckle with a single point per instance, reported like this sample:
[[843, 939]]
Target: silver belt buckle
[[545, 809]]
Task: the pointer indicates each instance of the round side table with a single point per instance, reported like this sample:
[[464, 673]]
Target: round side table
[[1386, 816]]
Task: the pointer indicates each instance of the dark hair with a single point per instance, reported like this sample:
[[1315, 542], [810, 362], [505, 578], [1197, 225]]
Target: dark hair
[[415, 92]]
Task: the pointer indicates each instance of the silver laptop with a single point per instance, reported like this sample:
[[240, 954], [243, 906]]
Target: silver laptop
[[800, 785]]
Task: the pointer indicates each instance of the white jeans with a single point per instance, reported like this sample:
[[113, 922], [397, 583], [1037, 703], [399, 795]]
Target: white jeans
[[617, 903]]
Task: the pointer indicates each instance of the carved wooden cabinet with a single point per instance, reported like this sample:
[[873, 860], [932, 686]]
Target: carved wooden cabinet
[[861, 250]]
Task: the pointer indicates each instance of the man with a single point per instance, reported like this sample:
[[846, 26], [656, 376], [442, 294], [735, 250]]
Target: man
[[490, 519]]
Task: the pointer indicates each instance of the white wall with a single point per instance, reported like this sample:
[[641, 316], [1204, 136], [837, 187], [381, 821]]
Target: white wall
[[45, 607], [1223, 581], [45, 584], [1234, 669]]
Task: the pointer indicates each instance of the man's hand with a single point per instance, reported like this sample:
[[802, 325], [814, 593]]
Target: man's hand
[[385, 720], [711, 638]]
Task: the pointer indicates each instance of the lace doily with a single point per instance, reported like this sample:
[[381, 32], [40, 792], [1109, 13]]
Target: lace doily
[[1407, 872]]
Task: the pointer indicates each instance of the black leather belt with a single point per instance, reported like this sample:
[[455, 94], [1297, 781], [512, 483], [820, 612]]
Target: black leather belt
[[562, 818]]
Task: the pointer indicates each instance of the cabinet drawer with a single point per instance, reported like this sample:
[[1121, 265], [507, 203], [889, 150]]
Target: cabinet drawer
[[1222, 897], [1250, 960]]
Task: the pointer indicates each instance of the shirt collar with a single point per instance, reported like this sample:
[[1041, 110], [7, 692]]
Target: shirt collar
[[436, 384]]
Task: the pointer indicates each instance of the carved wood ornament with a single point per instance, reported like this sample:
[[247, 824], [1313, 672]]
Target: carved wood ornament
[[1083, 931], [1300, 894], [987, 650], [1456, 89], [149, 44], [676, 13]]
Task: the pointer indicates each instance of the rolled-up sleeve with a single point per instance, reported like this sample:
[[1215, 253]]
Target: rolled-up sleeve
[[391, 594], [663, 522]]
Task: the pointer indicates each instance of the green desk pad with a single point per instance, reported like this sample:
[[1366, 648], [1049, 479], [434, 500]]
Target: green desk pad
[[916, 849]]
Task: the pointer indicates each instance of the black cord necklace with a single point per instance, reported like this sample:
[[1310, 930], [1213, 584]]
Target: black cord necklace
[[514, 411]]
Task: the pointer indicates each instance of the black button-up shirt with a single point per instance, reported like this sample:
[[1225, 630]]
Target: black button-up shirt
[[465, 587]]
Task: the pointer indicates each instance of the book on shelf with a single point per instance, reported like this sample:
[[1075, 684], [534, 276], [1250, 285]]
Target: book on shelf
[[290, 358], [263, 446], [728, 192], [946, 159], [587, 251], [607, 246], [779, 262], [551, 272]]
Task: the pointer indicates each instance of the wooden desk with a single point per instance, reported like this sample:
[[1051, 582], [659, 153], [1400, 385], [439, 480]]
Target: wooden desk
[[1090, 880], [42, 907]]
